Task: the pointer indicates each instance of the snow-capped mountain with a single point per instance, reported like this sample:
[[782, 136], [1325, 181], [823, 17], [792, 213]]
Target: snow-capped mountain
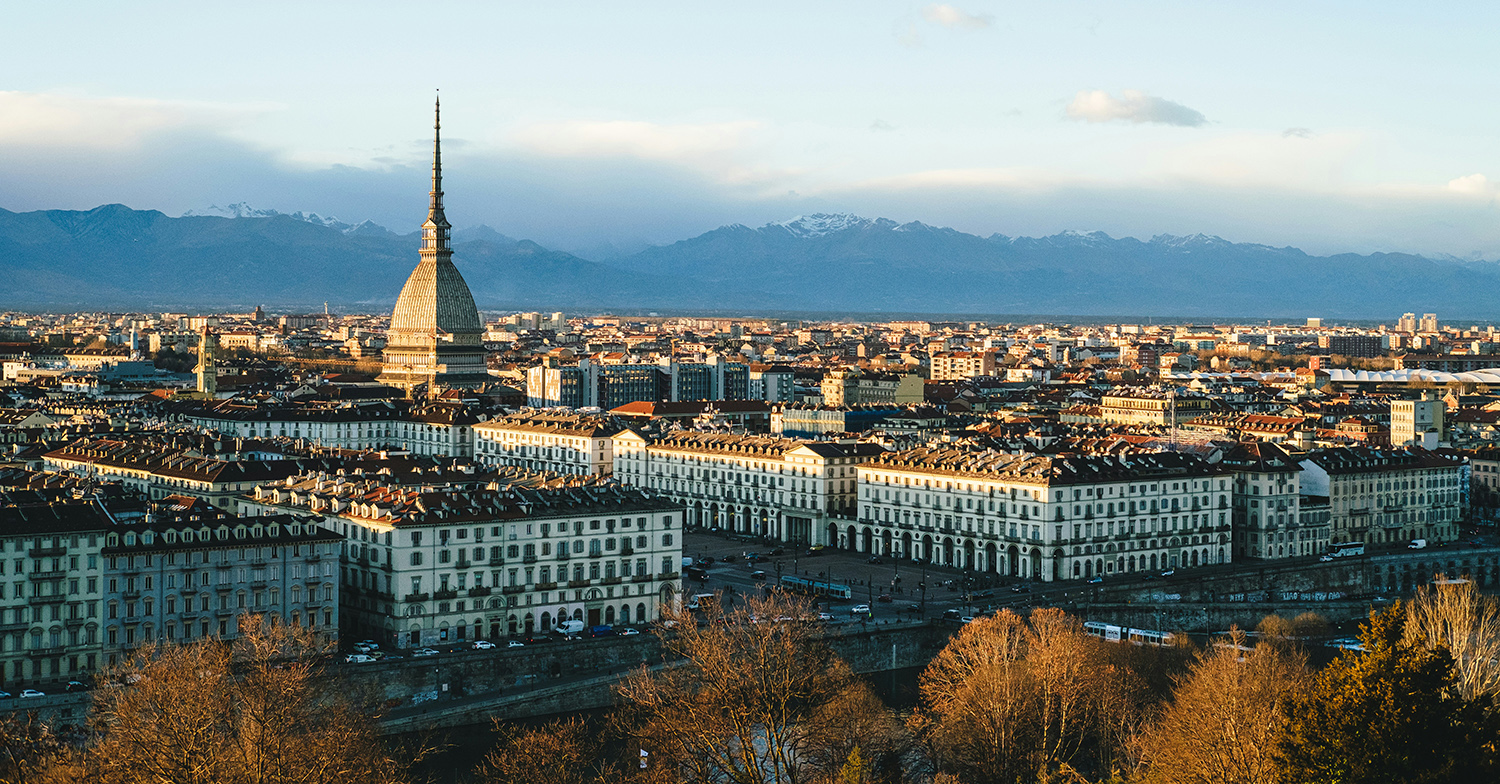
[[241, 209]]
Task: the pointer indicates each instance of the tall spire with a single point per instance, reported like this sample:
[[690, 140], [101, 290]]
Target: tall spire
[[435, 230], [435, 208]]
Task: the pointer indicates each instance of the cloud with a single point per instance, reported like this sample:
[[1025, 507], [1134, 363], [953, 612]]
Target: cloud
[[1474, 185], [1098, 106], [881, 125], [47, 120], [1297, 133], [954, 19]]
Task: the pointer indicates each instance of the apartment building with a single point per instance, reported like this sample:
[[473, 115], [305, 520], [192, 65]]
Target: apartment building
[[1387, 496], [1151, 406], [956, 365], [1047, 518], [427, 564], [1417, 422], [853, 387], [189, 570], [51, 585], [793, 491], [160, 471], [433, 429], [1268, 523], [562, 443]]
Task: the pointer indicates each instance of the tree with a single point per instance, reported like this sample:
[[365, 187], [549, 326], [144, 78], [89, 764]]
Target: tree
[[752, 695], [257, 711], [1222, 720], [28, 748], [1010, 700], [1389, 714], [560, 752], [1455, 616]]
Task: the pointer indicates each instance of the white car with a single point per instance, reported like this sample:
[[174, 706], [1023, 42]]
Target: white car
[[424, 652], [823, 616], [515, 644], [860, 609], [483, 645], [32, 693], [629, 632], [358, 658]]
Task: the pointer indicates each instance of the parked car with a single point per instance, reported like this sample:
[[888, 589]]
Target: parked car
[[358, 658], [76, 686], [884, 598], [874, 559], [1096, 579], [483, 645], [424, 652], [32, 693], [823, 616], [629, 632], [860, 609], [757, 575], [966, 619], [1169, 573], [952, 615], [515, 644], [5, 695]]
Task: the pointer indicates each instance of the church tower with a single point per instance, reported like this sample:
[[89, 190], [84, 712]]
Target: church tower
[[207, 371], [436, 338]]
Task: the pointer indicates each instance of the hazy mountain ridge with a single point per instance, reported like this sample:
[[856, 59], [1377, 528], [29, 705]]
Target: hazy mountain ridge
[[116, 257]]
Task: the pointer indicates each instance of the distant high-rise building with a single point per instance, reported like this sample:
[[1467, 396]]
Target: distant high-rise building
[[1407, 323], [436, 337], [1429, 322], [1315, 323]]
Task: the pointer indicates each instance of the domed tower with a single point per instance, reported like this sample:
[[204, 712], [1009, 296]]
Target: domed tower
[[436, 338]]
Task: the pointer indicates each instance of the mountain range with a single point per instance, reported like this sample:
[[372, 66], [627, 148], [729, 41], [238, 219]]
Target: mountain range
[[118, 258]]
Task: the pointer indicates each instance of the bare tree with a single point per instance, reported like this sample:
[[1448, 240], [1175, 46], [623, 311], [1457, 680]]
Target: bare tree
[[28, 748], [1453, 614], [745, 697], [567, 751], [1221, 724], [255, 712], [1012, 701]]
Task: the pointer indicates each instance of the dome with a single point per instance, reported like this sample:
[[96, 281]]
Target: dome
[[435, 300]]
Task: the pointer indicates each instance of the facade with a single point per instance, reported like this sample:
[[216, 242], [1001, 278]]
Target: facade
[[1268, 523], [1386, 496], [800, 420], [772, 384], [1151, 407], [590, 384], [1417, 422], [51, 585], [955, 365], [1045, 517], [430, 564], [1352, 345], [793, 491], [190, 571], [435, 338], [158, 472], [579, 444], [853, 387]]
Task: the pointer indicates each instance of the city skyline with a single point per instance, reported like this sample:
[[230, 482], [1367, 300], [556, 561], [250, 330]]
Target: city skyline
[[662, 123]]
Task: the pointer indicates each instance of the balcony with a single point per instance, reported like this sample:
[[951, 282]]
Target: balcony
[[528, 559], [479, 590], [613, 580], [53, 599], [641, 578], [562, 556], [47, 552], [14, 625], [51, 574], [445, 594], [53, 650], [510, 589], [627, 550], [416, 597], [545, 586], [667, 576], [580, 583]]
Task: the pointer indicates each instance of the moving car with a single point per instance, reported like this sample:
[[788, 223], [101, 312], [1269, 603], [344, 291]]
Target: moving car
[[483, 645], [424, 652], [32, 693], [859, 609], [629, 632], [884, 598], [515, 644], [757, 575], [358, 658]]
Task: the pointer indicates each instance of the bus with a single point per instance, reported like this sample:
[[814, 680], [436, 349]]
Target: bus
[[811, 587], [1109, 632]]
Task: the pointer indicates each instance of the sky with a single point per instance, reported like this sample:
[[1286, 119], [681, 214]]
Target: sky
[[600, 127]]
